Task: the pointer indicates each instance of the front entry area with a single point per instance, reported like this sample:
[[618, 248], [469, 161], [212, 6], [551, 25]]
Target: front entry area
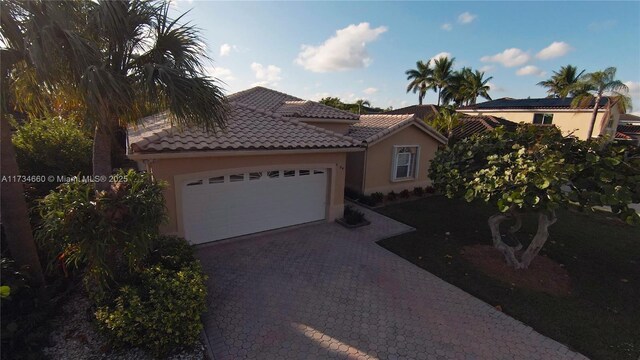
[[226, 206]]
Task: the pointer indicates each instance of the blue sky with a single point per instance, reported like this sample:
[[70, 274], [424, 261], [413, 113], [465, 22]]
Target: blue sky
[[357, 50]]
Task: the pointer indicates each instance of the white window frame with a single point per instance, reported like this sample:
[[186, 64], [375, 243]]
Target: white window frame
[[414, 164], [544, 115]]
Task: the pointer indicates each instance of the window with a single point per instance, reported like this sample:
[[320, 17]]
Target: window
[[216, 180], [289, 173], [405, 162], [318, 172], [255, 175], [304, 172], [199, 182], [610, 122], [543, 119], [236, 177], [273, 174]]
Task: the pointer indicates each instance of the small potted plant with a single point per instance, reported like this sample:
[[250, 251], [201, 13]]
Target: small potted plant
[[353, 218]]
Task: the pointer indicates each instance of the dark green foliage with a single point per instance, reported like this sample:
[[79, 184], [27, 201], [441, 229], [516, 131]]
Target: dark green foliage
[[351, 193], [367, 200], [109, 232], [391, 196], [171, 252], [405, 194], [161, 312], [378, 197], [52, 146], [353, 216], [418, 191], [429, 189], [537, 169]]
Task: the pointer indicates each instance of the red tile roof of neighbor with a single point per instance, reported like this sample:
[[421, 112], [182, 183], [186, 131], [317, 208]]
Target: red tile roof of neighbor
[[623, 136], [629, 129], [470, 125], [248, 128], [420, 111], [375, 126]]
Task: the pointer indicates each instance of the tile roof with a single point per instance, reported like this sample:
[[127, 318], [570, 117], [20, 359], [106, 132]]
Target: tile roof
[[420, 111], [623, 136], [629, 130], [375, 126], [629, 117], [539, 103], [287, 105], [470, 125], [248, 128]]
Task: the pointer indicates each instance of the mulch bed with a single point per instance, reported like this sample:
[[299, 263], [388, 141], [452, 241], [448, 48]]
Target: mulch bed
[[543, 275]]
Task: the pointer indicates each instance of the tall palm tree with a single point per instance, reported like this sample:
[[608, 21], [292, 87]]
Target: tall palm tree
[[562, 82], [421, 79], [442, 70], [13, 207], [475, 85], [593, 86], [361, 103], [127, 59]]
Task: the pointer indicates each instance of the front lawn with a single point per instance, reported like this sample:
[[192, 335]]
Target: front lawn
[[600, 319]]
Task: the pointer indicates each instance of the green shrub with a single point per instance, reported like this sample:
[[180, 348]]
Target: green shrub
[[171, 252], [391, 196], [430, 189], [418, 191], [109, 232], [378, 197], [160, 313], [53, 146], [353, 216], [405, 194]]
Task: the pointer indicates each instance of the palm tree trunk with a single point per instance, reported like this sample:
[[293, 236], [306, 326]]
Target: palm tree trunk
[[594, 115], [14, 215], [439, 89], [102, 154]]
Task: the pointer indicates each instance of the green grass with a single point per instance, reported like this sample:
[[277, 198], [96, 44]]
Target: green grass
[[601, 319]]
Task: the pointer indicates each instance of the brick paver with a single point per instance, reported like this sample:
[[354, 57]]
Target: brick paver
[[322, 291]]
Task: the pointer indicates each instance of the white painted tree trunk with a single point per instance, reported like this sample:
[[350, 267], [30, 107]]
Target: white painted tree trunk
[[538, 241]]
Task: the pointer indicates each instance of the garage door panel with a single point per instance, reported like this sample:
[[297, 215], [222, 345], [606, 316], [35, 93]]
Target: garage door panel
[[218, 210]]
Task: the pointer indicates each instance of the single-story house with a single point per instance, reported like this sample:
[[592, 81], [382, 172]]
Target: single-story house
[[281, 161], [553, 111]]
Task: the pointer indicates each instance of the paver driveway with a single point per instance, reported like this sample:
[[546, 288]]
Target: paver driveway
[[323, 291]]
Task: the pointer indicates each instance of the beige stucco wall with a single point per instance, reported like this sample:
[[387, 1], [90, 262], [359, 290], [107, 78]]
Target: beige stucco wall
[[567, 121], [379, 159], [355, 170], [175, 171]]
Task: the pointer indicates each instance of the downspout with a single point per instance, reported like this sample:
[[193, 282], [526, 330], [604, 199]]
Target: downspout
[[364, 171]]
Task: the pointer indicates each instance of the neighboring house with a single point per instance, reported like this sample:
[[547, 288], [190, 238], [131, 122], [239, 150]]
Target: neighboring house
[[628, 134], [552, 111], [281, 161], [470, 125], [629, 119], [422, 112], [398, 149]]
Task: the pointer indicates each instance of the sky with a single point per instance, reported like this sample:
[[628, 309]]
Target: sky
[[361, 50]]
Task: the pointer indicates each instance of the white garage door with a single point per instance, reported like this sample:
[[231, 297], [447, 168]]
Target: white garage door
[[221, 207]]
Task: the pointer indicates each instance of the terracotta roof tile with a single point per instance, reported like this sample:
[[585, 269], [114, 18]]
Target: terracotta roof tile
[[470, 125], [248, 128], [629, 129], [288, 105], [420, 111], [376, 126]]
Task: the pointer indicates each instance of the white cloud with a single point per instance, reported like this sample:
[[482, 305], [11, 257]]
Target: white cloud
[[487, 68], [634, 87], [404, 103], [446, 27], [530, 70], [344, 51], [225, 49], [556, 49], [443, 54], [319, 95], [466, 17], [509, 58], [266, 76], [176, 3], [221, 73], [370, 90], [496, 88]]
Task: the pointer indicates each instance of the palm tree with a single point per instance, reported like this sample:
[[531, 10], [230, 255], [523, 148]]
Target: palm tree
[[475, 85], [126, 59], [445, 121], [13, 207], [362, 103], [421, 79], [593, 86], [442, 70], [561, 83]]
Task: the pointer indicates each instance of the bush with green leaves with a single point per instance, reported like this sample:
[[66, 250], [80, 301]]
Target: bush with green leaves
[[52, 146], [159, 312], [353, 216], [392, 196], [418, 191], [378, 197], [536, 169], [108, 232], [405, 194]]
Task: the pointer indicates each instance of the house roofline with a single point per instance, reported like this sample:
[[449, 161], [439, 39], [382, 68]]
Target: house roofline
[[230, 153]]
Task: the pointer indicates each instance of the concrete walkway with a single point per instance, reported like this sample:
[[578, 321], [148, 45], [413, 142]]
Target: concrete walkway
[[322, 291]]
